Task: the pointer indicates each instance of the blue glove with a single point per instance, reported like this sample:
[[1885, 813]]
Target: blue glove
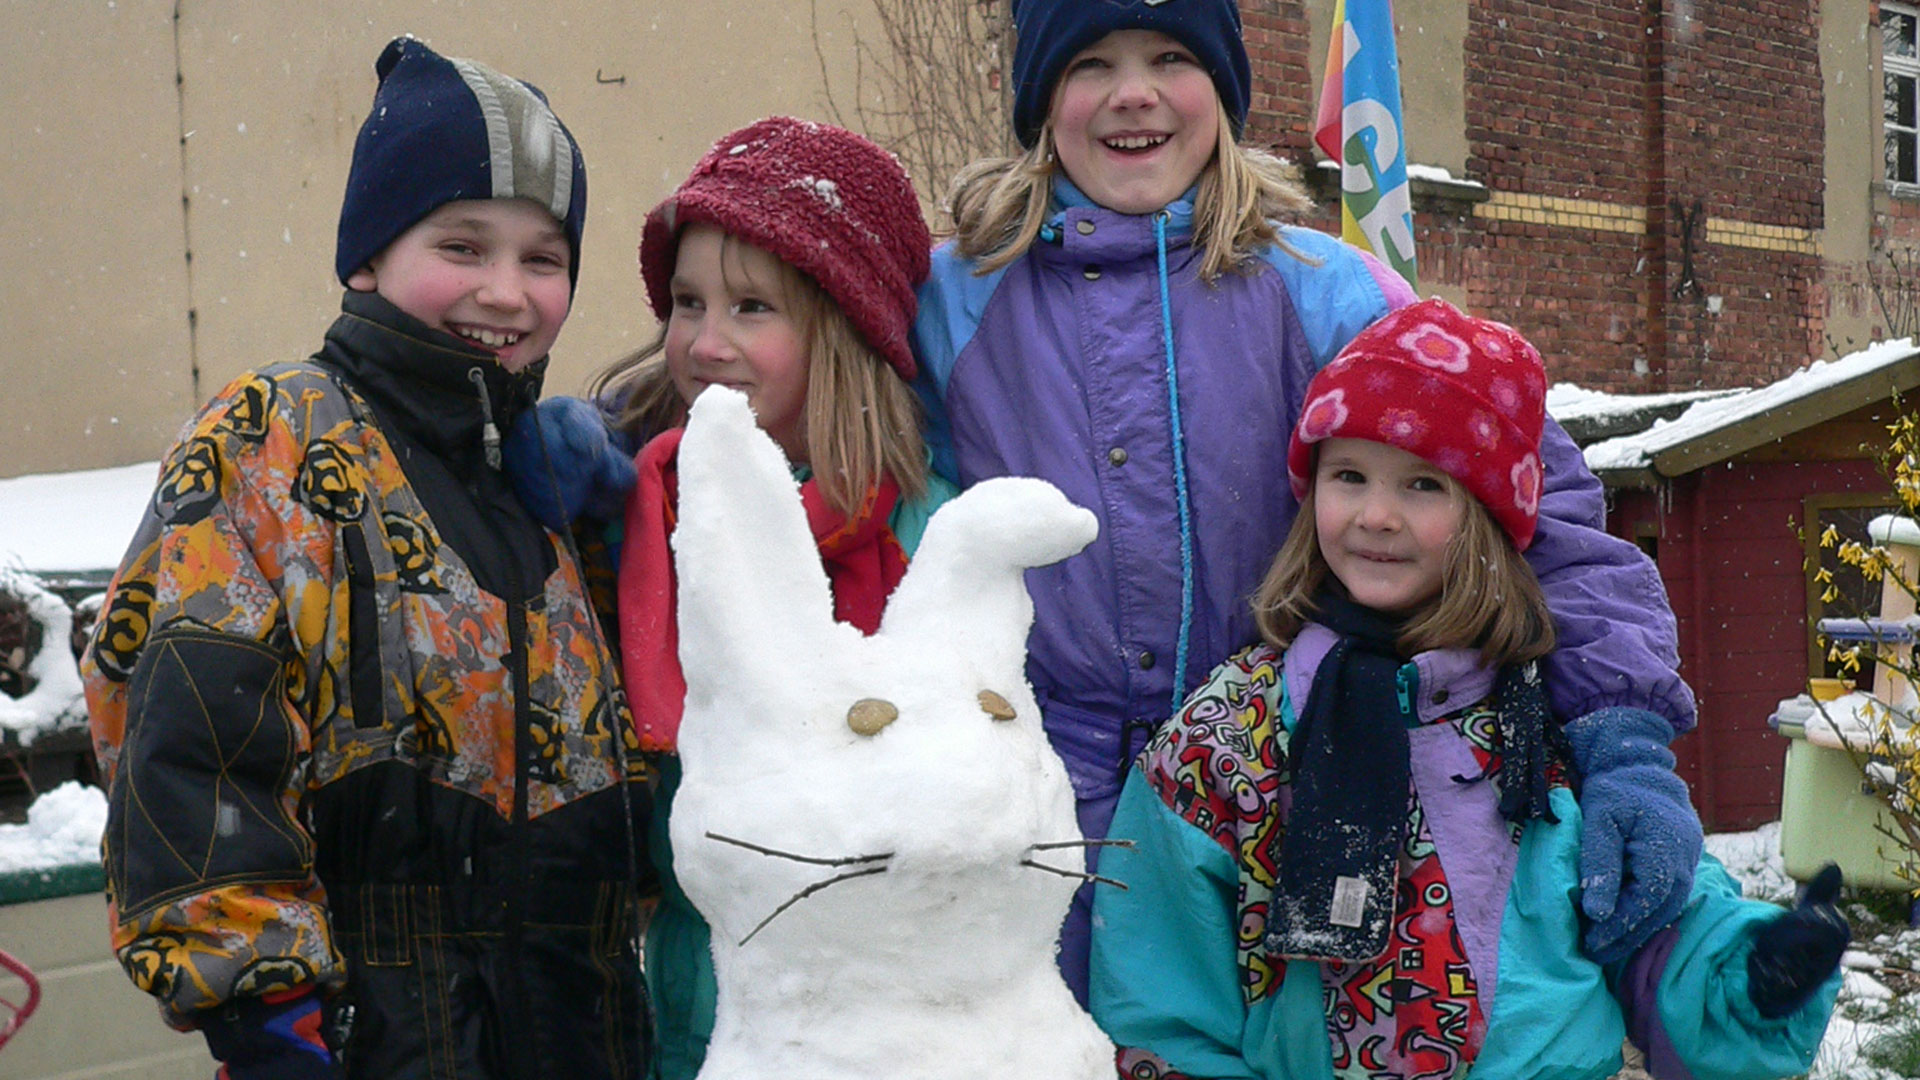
[[1795, 953], [1641, 838], [257, 1039], [564, 463]]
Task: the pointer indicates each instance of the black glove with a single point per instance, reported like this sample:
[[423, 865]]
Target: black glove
[[257, 1039], [1795, 953]]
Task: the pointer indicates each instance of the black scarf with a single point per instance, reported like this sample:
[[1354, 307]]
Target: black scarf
[[1339, 860], [1529, 741], [1338, 868]]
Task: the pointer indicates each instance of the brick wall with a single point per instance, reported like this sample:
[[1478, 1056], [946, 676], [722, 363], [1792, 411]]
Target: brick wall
[[1655, 179]]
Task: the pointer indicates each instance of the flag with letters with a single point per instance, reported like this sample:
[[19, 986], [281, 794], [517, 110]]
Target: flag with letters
[[1358, 126]]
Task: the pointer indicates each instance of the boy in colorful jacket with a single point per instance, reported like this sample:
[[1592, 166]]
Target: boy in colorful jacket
[[370, 807]]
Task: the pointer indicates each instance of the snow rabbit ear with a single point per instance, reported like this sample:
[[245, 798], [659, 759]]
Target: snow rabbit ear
[[753, 597], [966, 590]]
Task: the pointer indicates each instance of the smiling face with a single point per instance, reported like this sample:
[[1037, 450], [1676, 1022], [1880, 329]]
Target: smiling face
[[490, 271], [1135, 120], [1384, 518], [733, 324]]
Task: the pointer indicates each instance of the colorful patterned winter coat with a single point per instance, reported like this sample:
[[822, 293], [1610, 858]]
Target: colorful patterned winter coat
[[361, 729], [1485, 976]]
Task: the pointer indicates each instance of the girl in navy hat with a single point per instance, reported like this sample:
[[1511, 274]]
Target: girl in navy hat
[[1122, 313], [1354, 849]]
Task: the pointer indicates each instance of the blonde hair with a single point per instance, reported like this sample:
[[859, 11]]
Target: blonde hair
[[1489, 597], [862, 419], [999, 204]]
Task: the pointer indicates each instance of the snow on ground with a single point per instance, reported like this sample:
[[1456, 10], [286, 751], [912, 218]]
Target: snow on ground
[[1868, 1009], [73, 521], [1635, 451]]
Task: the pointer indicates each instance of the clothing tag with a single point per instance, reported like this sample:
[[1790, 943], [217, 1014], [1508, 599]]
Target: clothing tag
[[1349, 901]]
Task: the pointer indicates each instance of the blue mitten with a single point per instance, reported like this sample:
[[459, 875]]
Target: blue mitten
[[1641, 838], [564, 463], [279, 1039], [1795, 953]]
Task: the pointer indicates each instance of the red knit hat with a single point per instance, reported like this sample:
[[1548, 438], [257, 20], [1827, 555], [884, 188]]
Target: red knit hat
[[1465, 394], [823, 200]]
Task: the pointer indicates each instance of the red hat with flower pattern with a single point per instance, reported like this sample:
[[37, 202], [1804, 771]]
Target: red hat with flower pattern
[[1466, 394]]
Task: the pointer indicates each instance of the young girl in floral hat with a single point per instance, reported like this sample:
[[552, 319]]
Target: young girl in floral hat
[[784, 267], [1121, 314], [1357, 849]]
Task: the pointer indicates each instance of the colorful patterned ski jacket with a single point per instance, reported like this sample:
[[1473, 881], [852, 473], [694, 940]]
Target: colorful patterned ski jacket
[[1485, 977], [1068, 364], [360, 728]]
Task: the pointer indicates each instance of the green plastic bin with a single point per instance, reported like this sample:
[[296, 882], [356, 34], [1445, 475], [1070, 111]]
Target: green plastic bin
[[1827, 815]]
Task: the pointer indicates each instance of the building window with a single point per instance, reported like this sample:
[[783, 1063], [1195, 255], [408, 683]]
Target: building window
[[1900, 76], [1853, 596]]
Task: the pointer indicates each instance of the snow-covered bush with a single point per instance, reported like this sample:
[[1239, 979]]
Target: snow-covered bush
[[39, 677]]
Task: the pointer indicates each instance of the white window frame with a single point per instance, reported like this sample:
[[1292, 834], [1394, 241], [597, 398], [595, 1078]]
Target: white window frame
[[1893, 66]]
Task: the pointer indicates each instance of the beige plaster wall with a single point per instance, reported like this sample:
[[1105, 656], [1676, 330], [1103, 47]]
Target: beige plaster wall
[[114, 174], [94, 348], [1850, 68]]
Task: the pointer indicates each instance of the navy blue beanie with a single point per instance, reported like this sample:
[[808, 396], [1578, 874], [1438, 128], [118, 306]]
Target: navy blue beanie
[[443, 129], [1047, 34]]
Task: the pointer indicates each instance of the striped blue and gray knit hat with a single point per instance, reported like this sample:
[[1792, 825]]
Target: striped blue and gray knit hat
[[443, 129]]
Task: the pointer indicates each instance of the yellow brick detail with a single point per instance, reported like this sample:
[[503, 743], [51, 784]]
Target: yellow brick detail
[[1762, 237], [1581, 214]]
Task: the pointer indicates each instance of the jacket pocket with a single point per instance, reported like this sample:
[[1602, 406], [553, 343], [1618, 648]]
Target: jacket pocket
[[210, 750], [363, 633], [1088, 742]]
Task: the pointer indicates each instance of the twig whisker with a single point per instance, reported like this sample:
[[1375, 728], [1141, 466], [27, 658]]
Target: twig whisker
[[1095, 878], [1080, 843], [847, 861]]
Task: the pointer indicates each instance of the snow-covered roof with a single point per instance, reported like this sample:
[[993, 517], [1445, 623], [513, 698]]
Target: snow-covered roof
[[1723, 425], [72, 523], [1592, 415]]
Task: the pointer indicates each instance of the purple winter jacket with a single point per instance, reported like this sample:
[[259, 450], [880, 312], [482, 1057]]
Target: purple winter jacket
[[1057, 366]]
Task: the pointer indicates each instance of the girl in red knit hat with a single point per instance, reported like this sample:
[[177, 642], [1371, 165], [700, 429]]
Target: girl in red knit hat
[[784, 267], [1355, 847]]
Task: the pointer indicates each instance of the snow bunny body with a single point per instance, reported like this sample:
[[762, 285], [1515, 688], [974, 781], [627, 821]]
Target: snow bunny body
[[916, 943]]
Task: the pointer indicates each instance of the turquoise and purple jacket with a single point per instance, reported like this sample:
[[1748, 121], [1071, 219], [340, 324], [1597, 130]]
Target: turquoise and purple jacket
[[1484, 976]]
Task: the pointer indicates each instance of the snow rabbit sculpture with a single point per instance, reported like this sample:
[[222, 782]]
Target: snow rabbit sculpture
[[867, 822]]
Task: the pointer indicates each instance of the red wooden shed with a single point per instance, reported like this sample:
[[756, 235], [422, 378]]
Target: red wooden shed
[[1729, 497]]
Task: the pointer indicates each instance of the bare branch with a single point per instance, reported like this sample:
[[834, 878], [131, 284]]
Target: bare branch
[[933, 86]]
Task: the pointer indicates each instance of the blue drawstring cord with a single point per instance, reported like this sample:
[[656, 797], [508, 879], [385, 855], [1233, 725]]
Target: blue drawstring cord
[[1179, 467]]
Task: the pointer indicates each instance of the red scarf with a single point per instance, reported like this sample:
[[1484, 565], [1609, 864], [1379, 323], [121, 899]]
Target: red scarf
[[862, 557]]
